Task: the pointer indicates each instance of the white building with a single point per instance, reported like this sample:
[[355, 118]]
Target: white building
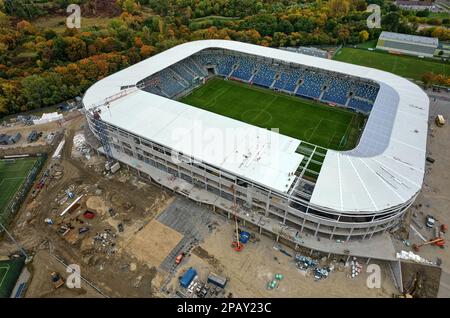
[[357, 194]]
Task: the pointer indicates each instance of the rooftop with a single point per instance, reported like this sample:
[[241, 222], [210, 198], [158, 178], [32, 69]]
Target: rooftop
[[386, 169], [424, 40]]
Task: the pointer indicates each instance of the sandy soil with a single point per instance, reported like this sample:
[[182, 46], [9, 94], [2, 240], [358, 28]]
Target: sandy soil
[[250, 270], [153, 243]]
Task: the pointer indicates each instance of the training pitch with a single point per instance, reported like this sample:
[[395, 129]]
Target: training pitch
[[403, 65], [12, 176], [326, 126]]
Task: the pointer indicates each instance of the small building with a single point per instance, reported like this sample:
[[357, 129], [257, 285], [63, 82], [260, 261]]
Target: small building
[[416, 5], [443, 50], [308, 51], [8, 139], [33, 136], [4, 139], [407, 44]]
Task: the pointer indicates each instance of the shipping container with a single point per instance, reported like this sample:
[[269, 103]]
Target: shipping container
[[217, 280], [187, 278]]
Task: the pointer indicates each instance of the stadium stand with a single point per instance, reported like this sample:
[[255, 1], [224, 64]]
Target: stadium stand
[[292, 80], [183, 72], [265, 76], [312, 84], [324, 86], [337, 91], [225, 64], [366, 91], [360, 104], [245, 68]]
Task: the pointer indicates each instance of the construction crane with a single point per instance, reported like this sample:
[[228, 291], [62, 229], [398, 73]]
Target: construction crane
[[438, 241], [236, 245]]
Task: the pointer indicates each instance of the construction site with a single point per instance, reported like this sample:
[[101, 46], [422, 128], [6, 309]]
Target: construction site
[[132, 237]]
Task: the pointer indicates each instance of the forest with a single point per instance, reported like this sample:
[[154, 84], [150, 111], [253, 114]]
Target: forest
[[42, 65]]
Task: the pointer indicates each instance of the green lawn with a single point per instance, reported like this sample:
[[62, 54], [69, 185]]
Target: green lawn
[[406, 66], [323, 125], [368, 44], [9, 273], [12, 175]]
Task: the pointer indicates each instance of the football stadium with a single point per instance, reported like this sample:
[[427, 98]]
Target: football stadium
[[286, 142]]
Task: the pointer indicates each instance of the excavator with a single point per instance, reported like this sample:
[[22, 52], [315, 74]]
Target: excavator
[[438, 241]]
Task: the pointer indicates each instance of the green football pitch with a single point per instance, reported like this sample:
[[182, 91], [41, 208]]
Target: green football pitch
[[406, 66], [310, 121], [12, 175]]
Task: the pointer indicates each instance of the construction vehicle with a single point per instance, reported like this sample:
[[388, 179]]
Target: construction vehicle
[[438, 241], [430, 221], [179, 258], [440, 121], [57, 280]]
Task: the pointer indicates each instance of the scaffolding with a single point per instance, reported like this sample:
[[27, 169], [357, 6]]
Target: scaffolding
[[100, 127], [102, 131]]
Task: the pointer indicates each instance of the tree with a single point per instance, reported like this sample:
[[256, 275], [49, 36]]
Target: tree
[[343, 33], [147, 50], [76, 49], [363, 36], [391, 21], [129, 6], [338, 8]]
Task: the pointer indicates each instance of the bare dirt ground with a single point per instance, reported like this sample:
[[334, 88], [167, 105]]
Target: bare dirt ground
[[153, 243], [101, 253], [46, 129], [250, 270], [41, 286]]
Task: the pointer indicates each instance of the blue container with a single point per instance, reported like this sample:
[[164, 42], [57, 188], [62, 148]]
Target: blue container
[[187, 278], [244, 237]]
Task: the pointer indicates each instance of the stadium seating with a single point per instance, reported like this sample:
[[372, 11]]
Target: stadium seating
[[337, 90], [292, 80], [183, 72], [265, 76], [225, 64], [366, 91], [281, 81], [172, 81], [312, 84], [195, 68], [171, 85], [244, 71], [361, 105]]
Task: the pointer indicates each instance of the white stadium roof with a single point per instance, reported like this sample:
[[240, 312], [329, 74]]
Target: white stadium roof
[[386, 168]]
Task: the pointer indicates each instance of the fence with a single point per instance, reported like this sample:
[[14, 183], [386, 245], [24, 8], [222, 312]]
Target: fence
[[10, 210]]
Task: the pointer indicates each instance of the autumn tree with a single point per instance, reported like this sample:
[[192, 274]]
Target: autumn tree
[[363, 36], [338, 8], [147, 50], [75, 49]]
